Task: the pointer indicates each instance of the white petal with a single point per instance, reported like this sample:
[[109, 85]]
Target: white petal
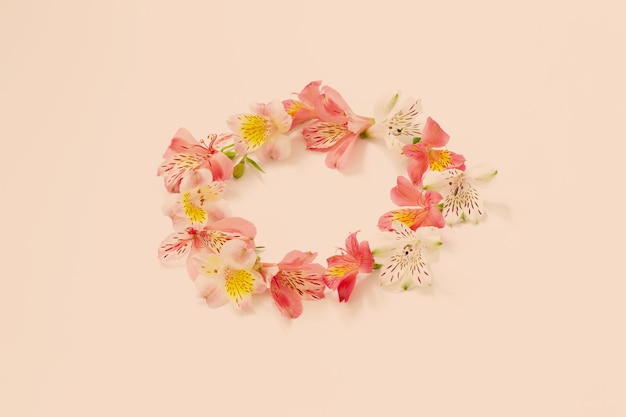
[[384, 105], [481, 174], [407, 265]]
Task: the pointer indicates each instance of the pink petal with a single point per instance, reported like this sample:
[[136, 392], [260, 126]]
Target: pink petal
[[175, 246], [221, 166], [195, 179], [296, 258], [277, 148], [457, 161], [288, 303], [212, 290], [344, 290], [238, 254], [338, 156], [176, 167], [385, 221], [433, 135], [416, 169], [321, 135], [405, 193], [235, 225], [182, 141], [366, 257], [428, 198], [339, 266], [299, 111]]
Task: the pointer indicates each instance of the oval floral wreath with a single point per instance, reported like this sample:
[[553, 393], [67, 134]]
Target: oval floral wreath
[[222, 258]]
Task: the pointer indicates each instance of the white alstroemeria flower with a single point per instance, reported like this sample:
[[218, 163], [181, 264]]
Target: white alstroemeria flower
[[398, 122], [461, 200], [405, 262]]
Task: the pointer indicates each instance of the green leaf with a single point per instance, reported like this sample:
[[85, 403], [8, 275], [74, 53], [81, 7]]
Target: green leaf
[[254, 164], [239, 169], [416, 139], [377, 266]]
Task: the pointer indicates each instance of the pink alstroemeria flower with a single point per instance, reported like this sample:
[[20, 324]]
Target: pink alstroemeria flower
[[419, 207], [197, 203], [343, 268], [423, 154], [297, 279], [333, 127], [186, 155], [229, 276], [210, 237], [265, 128]]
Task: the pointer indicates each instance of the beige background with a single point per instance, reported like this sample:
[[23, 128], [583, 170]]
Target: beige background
[[526, 314]]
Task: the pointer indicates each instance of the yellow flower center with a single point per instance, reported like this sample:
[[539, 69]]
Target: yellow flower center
[[195, 213], [338, 271], [255, 129], [239, 283], [407, 217], [439, 159]]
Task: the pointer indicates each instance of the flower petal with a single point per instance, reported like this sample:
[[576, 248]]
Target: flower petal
[[321, 136], [288, 303], [345, 287], [462, 203], [175, 246], [308, 284], [403, 124], [405, 193], [253, 129], [338, 156], [240, 285], [405, 266], [212, 290], [416, 168], [238, 254], [433, 135], [221, 166], [235, 225], [277, 148]]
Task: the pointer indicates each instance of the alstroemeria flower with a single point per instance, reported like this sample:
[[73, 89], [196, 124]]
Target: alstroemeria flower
[[229, 276], [461, 200], [418, 207], [343, 268], [265, 128], [208, 238], [397, 122], [198, 203], [186, 155], [427, 153], [405, 263], [297, 279], [333, 127]]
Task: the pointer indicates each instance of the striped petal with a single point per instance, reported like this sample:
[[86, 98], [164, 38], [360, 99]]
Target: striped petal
[[175, 246], [321, 136], [403, 124], [286, 299], [308, 285], [406, 267], [462, 202], [175, 168]]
